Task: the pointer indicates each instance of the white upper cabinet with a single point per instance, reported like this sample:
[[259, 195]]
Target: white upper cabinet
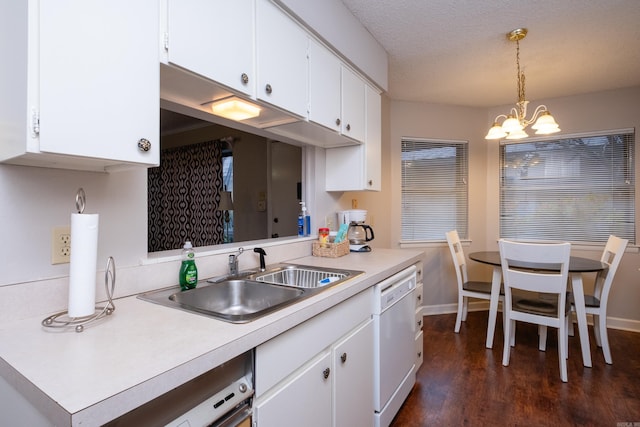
[[214, 39], [358, 168], [281, 59], [85, 93], [336, 94], [324, 87], [353, 105]]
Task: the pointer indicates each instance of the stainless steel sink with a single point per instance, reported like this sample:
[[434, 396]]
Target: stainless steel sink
[[250, 295], [236, 300], [305, 276]]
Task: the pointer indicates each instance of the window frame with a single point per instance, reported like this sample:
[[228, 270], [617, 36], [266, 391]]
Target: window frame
[[416, 194]]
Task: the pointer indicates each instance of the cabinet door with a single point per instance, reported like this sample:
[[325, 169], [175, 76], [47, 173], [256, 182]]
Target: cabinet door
[[324, 86], [304, 399], [99, 79], [353, 105], [353, 380], [373, 141], [282, 59], [215, 39]]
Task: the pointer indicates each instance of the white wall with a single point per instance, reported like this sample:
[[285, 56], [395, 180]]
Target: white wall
[[34, 200]]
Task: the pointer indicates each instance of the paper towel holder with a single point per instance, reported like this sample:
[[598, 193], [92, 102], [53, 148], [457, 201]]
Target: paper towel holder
[[63, 320]]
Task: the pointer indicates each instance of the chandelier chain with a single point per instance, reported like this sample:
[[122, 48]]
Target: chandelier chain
[[521, 94]]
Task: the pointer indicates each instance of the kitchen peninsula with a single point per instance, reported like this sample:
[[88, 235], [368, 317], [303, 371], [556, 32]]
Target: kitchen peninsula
[[145, 350]]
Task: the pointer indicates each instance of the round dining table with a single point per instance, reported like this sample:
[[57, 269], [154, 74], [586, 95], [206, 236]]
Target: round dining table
[[577, 266]]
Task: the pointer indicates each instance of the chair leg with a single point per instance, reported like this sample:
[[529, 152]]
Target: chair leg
[[562, 355], [465, 308], [596, 330], [571, 330], [506, 351], [601, 321], [542, 338], [459, 316]]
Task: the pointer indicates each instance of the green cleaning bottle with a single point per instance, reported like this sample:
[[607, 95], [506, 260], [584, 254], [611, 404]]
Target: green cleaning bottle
[[188, 269]]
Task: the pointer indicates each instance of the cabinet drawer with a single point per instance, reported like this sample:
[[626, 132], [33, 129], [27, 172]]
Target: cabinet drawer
[[419, 349], [419, 294], [419, 271]]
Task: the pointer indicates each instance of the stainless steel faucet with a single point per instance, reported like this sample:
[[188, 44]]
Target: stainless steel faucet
[[233, 262]]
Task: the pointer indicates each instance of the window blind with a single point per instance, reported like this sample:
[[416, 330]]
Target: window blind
[[434, 189], [577, 189]]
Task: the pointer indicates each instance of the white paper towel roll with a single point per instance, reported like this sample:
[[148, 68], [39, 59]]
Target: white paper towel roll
[[82, 269]]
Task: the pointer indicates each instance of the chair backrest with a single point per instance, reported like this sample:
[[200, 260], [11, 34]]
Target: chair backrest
[[554, 280], [459, 259], [611, 256]]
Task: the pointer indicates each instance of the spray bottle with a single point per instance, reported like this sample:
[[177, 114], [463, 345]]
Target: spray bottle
[[304, 222]]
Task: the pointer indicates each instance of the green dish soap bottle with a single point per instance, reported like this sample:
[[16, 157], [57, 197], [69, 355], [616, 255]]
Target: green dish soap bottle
[[188, 269]]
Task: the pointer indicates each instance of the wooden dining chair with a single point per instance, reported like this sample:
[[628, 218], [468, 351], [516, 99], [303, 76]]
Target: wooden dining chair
[[596, 304], [540, 295], [466, 288]]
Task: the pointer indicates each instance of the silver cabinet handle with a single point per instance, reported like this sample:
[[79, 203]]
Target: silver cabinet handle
[[325, 373], [338, 122], [348, 126], [244, 78], [343, 357], [268, 88], [144, 144], [370, 182], [419, 323]]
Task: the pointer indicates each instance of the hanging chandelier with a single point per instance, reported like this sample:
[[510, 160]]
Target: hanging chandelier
[[516, 121]]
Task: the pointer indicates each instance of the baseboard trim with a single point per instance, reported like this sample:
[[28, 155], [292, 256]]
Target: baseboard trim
[[612, 322]]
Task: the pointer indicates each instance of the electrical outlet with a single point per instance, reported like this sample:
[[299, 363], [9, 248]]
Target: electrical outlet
[[60, 245], [354, 203], [328, 222]]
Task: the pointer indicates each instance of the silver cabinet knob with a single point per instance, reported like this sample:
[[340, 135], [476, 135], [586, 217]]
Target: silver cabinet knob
[[370, 182], [348, 126], [244, 78], [343, 357], [268, 88], [325, 373], [419, 323], [338, 122], [144, 144]]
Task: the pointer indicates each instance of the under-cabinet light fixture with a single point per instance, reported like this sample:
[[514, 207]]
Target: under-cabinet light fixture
[[235, 109]]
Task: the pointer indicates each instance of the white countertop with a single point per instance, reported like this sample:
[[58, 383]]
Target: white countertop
[[144, 350]]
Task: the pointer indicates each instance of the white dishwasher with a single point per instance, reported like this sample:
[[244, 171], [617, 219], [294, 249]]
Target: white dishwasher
[[394, 345]]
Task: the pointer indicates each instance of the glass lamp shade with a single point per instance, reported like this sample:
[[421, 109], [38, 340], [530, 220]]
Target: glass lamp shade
[[496, 132], [512, 124], [226, 204], [545, 124], [517, 134]]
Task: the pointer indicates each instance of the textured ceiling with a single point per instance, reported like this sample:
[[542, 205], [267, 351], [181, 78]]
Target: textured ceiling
[[456, 51]]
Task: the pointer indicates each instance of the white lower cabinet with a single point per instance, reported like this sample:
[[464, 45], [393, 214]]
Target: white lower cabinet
[[319, 373], [353, 379], [303, 399]]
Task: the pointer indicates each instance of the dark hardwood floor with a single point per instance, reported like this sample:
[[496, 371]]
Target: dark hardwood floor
[[462, 383]]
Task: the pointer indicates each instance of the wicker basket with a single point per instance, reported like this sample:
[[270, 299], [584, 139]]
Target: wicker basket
[[331, 250]]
